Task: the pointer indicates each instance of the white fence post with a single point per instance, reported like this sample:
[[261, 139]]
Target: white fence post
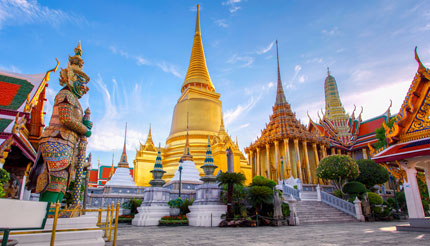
[[358, 211], [318, 193]]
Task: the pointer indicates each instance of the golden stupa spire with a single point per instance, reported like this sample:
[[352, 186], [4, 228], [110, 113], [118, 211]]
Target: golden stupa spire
[[149, 138], [197, 74], [187, 155], [111, 170]]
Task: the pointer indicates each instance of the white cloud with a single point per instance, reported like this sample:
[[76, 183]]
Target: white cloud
[[232, 5], [169, 68], [141, 61], [266, 49], [14, 12], [108, 132], [232, 114], [302, 78], [297, 68], [221, 23], [331, 32], [246, 61], [318, 60], [11, 68]]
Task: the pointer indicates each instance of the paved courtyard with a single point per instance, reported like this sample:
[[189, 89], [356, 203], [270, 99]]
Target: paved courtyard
[[370, 234]]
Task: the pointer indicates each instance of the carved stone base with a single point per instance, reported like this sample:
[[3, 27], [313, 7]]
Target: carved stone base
[[206, 215], [149, 216]]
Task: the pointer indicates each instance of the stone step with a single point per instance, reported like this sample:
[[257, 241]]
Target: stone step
[[313, 212]]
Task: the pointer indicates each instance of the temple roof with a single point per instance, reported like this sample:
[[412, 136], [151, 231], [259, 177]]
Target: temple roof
[[283, 122], [333, 105], [413, 122], [197, 70]]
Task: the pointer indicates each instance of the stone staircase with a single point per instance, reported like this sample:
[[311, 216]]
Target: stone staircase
[[313, 212]]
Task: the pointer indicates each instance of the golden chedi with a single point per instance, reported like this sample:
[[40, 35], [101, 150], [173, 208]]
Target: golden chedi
[[199, 102]]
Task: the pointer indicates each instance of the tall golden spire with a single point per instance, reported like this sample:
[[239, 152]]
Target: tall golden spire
[[197, 74], [149, 138], [123, 161]]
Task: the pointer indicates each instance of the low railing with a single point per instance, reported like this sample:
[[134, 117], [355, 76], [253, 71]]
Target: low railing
[[106, 226], [288, 190], [338, 203]]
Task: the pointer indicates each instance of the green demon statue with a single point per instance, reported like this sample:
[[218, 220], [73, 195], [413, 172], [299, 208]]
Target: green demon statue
[[62, 145]]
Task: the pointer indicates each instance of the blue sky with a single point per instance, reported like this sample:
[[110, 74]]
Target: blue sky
[[137, 54]]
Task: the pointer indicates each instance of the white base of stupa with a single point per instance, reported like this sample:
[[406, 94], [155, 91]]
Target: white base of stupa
[[150, 216], [206, 215], [72, 238]]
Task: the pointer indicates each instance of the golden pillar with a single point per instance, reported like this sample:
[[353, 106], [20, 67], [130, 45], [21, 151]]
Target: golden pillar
[[251, 162], [258, 162], [333, 151], [287, 158], [339, 152], [308, 167], [299, 164], [365, 153], [314, 146], [278, 174], [267, 161]]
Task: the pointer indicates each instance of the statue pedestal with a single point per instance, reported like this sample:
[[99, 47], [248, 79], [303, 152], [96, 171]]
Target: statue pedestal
[[70, 238], [207, 208], [154, 207]]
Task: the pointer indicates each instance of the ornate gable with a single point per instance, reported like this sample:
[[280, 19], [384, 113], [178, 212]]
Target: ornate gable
[[413, 120]]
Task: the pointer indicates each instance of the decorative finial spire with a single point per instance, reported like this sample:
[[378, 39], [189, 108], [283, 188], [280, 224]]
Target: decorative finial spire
[[187, 155], [198, 21], [280, 96], [208, 166], [78, 49], [111, 169], [328, 71], [123, 161], [149, 138], [157, 172], [197, 73]]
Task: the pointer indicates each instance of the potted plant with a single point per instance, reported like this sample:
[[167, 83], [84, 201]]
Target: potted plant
[[126, 207], [175, 206]]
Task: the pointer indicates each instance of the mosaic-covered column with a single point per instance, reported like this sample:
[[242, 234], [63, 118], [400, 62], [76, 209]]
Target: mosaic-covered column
[[364, 153], [299, 164], [287, 158], [305, 148], [258, 161], [317, 161], [267, 161], [278, 173]]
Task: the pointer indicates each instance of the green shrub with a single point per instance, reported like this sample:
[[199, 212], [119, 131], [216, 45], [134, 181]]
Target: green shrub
[[262, 181], [371, 173], [338, 168], [354, 188], [376, 210], [4, 178], [175, 203], [374, 199], [337, 193], [285, 210], [426, 206], [185, 206]]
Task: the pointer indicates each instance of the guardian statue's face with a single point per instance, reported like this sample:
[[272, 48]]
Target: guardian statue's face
[[79, 86]]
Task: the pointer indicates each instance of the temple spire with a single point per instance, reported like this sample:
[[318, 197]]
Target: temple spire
[[111, 170], [187, 155], [123, 161], [198, 74], [333, 105], [149, 138], [280, 96]]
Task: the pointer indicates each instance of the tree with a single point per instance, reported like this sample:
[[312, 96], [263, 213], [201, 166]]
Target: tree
[[4, 178], [380, 134], [261, 192], [230, 179], [339, 169], [371, 173]]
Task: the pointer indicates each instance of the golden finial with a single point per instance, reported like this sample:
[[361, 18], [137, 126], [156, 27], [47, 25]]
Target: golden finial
[[198, 21], [328, 71], [78, 49]]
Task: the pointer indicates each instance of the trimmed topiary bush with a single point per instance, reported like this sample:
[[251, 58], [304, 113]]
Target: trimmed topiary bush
[[371, 173], [338, 168], [374, 199], [354, 188], [4, 178]]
